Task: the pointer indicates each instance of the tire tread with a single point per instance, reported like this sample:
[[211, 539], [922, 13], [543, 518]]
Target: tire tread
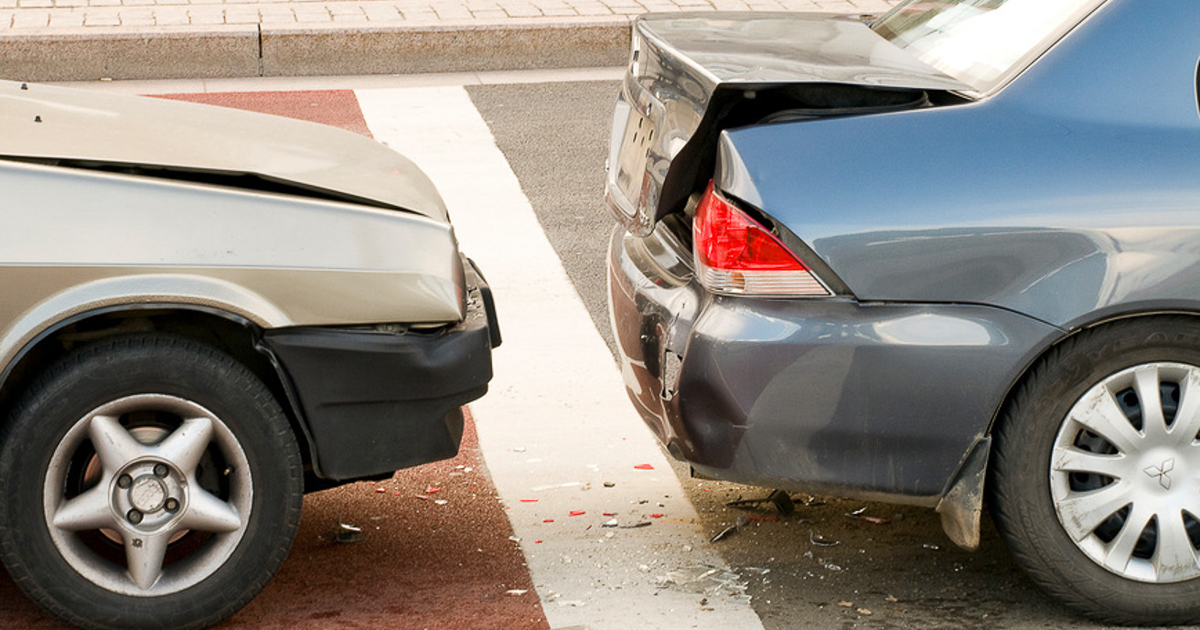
[[110, 354]]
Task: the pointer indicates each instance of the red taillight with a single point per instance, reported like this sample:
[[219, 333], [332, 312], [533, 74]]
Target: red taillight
[[737, 255]]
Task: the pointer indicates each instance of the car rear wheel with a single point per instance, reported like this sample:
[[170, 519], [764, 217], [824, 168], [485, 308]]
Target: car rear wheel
[[1096, 476], [147, 481]]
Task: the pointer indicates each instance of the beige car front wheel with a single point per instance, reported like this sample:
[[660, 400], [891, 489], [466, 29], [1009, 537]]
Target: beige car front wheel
[[147, 481]]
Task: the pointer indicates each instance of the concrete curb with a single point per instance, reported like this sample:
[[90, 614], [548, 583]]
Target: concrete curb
[[91, 53], [94, 53], [533, 43]]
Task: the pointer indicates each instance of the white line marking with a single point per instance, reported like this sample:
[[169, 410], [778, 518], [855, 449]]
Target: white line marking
[[557, 414], [351, 82]]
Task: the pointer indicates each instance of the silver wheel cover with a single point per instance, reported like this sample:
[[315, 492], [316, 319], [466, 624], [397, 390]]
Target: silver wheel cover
[[1125, 473], [148, 497]]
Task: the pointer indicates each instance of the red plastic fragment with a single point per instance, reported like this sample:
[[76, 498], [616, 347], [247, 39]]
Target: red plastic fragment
[[610, 513], [549, 520], [656, 516], [421, 497], [432, 490], [529, 500], [577, 512], [644, 467], [380, 489]]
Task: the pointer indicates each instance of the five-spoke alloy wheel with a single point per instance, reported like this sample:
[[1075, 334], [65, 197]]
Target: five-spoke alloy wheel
[[147, 481], [143, 492]]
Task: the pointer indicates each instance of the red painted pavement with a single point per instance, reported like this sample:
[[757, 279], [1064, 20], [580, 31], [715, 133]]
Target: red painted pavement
[[338, 108], [419, 565]]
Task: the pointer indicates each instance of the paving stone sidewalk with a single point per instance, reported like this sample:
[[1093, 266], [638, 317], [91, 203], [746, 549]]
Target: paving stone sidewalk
[[17, 16], [154, 39]]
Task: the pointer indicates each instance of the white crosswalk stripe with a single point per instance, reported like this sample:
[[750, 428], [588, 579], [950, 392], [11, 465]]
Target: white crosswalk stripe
[[556, 425]]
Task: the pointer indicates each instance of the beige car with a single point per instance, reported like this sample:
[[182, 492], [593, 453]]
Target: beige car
[[205, 313]]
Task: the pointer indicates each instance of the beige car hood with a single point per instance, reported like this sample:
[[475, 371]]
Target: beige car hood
[[53, 123]]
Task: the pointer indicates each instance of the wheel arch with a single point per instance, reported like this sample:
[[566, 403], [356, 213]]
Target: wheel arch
[[229, 332], [961, 505], [1072, 332]]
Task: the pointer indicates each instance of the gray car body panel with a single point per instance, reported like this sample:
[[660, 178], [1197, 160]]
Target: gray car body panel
[[763, 48], [1103, 136], [681, 61], [868, 400]]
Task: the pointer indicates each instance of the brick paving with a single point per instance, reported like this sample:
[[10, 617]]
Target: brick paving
[[51, 16]]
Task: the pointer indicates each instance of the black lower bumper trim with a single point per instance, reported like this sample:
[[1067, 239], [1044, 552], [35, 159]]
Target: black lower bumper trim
[[375, 402]]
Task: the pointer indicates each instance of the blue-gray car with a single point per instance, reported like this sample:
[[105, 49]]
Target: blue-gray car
[[947, 257]]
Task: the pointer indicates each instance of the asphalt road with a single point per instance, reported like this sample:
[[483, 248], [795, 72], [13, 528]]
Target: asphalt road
[[820, 567]]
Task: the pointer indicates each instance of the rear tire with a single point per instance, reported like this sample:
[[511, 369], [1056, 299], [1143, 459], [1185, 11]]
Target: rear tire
[[1096, 475], [147, 482]]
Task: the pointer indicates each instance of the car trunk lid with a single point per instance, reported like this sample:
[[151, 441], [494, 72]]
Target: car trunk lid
[[688, 71]]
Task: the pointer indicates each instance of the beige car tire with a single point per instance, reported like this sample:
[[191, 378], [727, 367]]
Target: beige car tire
[[147, 481]]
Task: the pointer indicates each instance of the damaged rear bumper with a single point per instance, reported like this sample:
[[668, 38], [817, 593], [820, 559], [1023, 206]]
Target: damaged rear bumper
[[375, 401], [877, 401]]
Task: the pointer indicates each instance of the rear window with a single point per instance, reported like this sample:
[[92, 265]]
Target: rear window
[[983, 43]]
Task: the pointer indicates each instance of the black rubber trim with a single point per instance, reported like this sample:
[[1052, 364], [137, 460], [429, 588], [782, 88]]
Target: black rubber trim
[[376, 402]]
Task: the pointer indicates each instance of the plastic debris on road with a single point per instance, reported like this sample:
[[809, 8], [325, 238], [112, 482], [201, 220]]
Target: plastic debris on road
[[347, 533], [705, 580], [780, 499], [742, 521], [821, 541], [859, 515]]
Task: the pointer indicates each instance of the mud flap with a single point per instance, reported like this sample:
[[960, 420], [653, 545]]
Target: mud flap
[[962, 505]]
